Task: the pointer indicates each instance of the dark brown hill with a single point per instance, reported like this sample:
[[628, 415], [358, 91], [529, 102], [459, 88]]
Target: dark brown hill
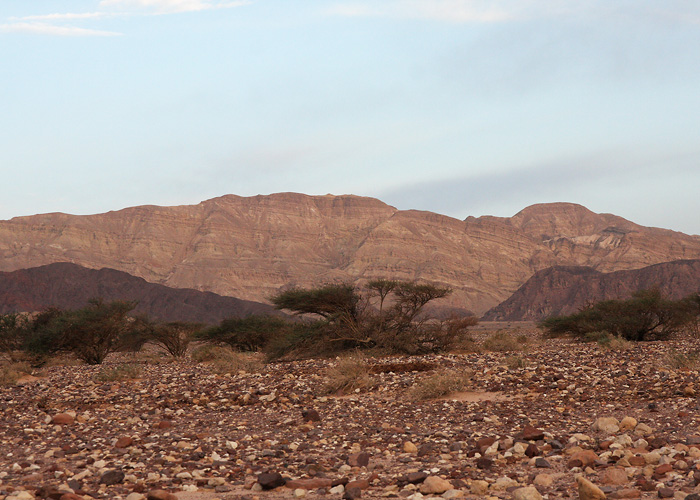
[[565, 289], [69, 286]]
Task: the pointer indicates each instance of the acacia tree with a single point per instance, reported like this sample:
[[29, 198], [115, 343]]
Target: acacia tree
[[397, 323]]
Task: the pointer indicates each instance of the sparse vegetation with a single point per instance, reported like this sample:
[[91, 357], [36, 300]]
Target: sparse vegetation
[[503, 341], [441, 384], [126, 371], [174, 337], [515, 362], [647, 315], [224, 360], [11, 372], [252, 333], [349, 374], [682, 360]]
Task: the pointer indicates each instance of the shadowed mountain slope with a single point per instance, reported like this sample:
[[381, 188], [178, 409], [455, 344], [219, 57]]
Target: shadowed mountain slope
[[564, 290], [69, 286]]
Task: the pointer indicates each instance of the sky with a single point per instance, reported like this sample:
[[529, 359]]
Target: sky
[[461, 107]]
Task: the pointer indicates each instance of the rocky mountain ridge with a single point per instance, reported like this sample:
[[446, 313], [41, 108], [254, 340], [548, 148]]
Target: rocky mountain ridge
[[565, 289], [251, 247]]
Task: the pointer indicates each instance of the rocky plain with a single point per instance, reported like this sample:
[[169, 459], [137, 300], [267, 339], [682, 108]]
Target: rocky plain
[[554, 419]]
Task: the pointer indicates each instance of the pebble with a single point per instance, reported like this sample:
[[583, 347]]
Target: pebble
[[588, 491]]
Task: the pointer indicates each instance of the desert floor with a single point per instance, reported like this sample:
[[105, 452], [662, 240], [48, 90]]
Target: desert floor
[[526, 425]]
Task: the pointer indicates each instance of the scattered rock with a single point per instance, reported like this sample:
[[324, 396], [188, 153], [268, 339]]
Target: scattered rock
[[112, 477], [608, 425], [588, 491], [435, 485], [527, 493], [270, 480], [63, 419]]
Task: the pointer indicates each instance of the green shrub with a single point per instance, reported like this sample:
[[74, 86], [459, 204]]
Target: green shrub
[[441, 385], [127, 371], [246, 334], [349, 374], [645, 316]]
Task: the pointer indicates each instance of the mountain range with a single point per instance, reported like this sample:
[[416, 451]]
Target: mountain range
[[252, 247]]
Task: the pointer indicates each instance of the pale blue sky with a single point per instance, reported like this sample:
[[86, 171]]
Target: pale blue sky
[[462, 107]]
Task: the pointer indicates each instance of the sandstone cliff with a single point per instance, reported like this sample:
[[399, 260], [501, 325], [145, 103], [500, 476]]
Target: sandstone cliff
[[251, 247], [565, 289], [69, 286]]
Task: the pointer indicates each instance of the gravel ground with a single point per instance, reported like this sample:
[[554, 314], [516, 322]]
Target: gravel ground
[[532, 422]]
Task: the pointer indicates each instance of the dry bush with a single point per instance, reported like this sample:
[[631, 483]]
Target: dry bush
[[349, 374], [63, 360], [125, 371], [224, 360], [441, 384], [152, 357], [515, 362], [503, 341], [210, 352], [409, 366], [680, 360], [11, 372], [236, 363]]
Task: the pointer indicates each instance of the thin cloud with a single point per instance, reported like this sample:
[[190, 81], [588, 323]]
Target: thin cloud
[[66, 16], [50, 24], [50, 29], [499, 11], [459, 11], [170, 6]]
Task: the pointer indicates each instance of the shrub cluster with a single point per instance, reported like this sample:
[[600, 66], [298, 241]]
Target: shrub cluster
[[647, 315], [89, 333]]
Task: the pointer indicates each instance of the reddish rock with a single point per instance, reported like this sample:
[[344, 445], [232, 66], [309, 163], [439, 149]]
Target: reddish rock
[[530, 433], [582, 458], [160, 495], [311, 415], [614, 475], [309, 484], [483, 444], [62, 419], [626, 493], [663, 469], [270, 480], [124, 442], [359, 459], [362, 484], [637, 461], [352, 493], [164, 424], [416, 477]]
